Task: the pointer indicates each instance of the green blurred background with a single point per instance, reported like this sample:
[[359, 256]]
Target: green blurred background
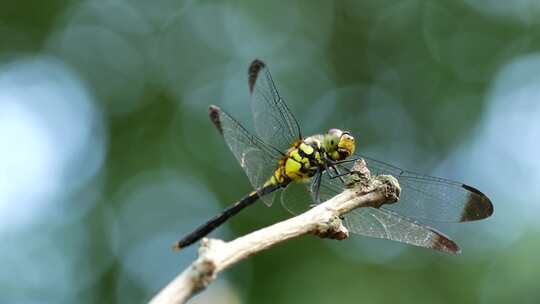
[[107, 155]]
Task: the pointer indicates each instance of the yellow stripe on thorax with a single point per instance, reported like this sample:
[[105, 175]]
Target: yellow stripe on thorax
[[307, 149]]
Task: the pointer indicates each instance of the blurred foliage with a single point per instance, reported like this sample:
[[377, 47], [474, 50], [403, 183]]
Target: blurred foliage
[[410, 78]]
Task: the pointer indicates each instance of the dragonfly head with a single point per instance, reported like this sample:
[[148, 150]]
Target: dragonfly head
[[339, 144]]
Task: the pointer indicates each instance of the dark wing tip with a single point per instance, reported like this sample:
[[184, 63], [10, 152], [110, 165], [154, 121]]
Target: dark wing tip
[[213, 112], [253, 72], [443, 243], [477, 207]]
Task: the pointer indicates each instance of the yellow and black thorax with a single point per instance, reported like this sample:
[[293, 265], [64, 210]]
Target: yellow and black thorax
[[300, 162]]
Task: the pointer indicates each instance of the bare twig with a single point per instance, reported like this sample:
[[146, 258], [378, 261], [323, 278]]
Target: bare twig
[[322, 220]]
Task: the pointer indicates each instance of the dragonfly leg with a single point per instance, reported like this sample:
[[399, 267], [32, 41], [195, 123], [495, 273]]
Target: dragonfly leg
[[335, 174], [349, 160], [338, 174]]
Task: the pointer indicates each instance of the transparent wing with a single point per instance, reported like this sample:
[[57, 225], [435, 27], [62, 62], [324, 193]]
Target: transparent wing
[[299, 197], [367, 221], [433, 198], [296, 198], [384, 224], [258, 159], [274, 122]]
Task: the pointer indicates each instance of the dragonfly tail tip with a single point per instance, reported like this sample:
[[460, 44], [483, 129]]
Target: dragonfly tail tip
[[176, 247]]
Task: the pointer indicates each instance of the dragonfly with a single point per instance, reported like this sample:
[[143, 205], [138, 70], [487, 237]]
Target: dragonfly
[[279, 159]]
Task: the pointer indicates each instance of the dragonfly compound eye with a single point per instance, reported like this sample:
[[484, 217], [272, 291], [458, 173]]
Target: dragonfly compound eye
[[335, 133], [346, 145]]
